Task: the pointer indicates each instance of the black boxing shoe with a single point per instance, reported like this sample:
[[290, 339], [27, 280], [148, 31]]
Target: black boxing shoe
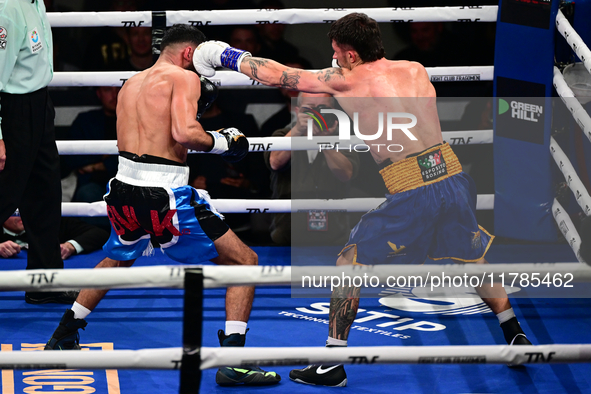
[[66, 335], [321, 375], [50, 297], [514, 335], [250, 376], [520, 339]]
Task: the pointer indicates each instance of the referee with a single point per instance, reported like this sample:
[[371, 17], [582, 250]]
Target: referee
[[29, 161]]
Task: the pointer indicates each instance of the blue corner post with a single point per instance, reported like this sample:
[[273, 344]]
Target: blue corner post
[[524, 60]]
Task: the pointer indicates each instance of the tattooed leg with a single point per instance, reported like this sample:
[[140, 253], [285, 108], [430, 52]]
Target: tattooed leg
[[343, 309], [343, 303]]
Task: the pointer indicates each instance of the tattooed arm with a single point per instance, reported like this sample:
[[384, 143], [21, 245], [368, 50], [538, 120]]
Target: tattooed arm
[[269, 72]]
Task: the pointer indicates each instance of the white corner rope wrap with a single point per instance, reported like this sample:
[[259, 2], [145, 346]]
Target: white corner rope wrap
[[484, 202], [220, 276], [574, 40], [567, 228], [574, 106], [572, 179], [230, 78], [286, 16], [170, 358]]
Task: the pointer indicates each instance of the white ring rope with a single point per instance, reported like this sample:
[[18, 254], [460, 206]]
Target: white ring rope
[[262, 16], [220, 276], [574, 106], [170, 358], [574, 40], [232, 78], [270, 144], [572, 179], [567, 228], [484, 202]]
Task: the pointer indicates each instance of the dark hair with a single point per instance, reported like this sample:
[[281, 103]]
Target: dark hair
[[180, 33], [361, 33]]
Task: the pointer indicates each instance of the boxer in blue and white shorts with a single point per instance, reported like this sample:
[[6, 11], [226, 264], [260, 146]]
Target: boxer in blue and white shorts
[[149, 202], [150, 205]]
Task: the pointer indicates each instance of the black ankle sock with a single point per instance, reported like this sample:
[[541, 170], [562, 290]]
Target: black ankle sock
[[511, 328]]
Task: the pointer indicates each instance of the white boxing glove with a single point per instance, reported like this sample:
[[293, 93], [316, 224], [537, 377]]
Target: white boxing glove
[[335, 63], [212, 54]]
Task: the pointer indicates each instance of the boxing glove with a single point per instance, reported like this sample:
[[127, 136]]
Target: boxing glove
[[230, 143], [212, 54], [209, 92]]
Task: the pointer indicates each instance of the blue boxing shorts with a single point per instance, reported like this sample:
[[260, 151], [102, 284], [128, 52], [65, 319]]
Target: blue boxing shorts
[[429, 213], [150, 205]]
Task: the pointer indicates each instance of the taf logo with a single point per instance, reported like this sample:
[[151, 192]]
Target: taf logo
[[34, 36]]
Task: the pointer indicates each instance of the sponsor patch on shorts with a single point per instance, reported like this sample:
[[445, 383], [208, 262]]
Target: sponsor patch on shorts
[[432, 165]]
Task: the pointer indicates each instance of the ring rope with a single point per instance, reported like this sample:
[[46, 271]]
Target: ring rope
[[262, 16], [572, 179], [573, 39], [170, 358], [567, 228], [484, 202], [163, 276], [574, 106], [271, 144], [230, 78]]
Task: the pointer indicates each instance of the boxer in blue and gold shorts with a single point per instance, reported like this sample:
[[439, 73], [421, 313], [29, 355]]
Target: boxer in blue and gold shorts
[[430, 212], [430, 209]]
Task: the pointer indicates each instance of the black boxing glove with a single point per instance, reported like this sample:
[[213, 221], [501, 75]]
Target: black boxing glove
[[230, 143], [209, 92]]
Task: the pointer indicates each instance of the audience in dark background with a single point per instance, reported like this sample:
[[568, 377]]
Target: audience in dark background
[[130, 49], [139, 55]]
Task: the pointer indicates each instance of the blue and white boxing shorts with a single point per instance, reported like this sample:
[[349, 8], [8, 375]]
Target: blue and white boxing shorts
[[429, 213], [150, 205]]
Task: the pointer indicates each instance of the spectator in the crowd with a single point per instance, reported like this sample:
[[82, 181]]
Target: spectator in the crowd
[[29, 160], [245, 37], [94, 171], [283, 117], [431, 46], [108, 45], [246, 179], [75, 237], [311, 175], [274, 44], [139, 57]]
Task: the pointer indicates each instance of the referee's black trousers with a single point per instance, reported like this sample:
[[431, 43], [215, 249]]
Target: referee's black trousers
[[30, 180]]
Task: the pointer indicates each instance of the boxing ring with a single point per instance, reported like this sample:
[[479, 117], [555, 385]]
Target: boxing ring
[[131, 344]]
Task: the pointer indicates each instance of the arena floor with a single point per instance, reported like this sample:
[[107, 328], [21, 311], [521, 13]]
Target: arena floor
[[134, 319]]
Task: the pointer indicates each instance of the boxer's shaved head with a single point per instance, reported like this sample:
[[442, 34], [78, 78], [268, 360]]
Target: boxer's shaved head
[[180, 34]]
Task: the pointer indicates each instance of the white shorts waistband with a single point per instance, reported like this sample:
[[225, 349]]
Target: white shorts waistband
[[149, 174]]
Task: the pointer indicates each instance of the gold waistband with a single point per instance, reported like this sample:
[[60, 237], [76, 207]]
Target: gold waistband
[[429, 166]]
